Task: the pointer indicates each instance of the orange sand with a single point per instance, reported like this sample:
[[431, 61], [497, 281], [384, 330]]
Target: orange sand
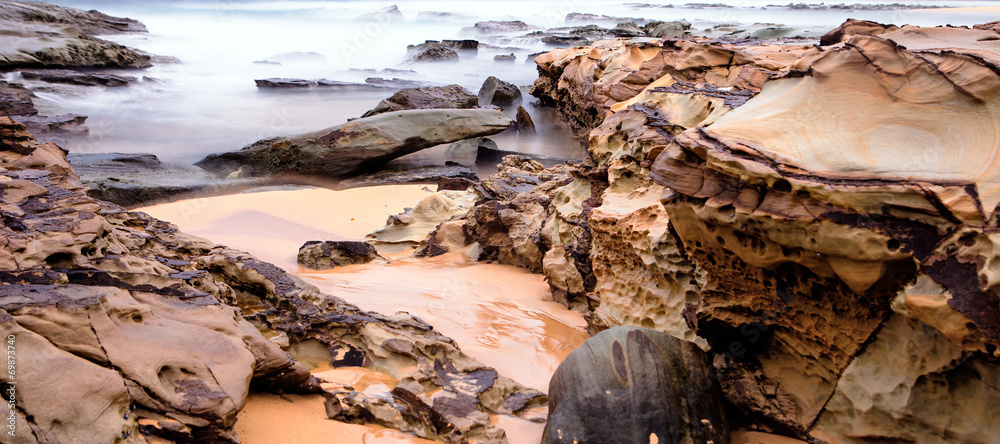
[[500, 315]]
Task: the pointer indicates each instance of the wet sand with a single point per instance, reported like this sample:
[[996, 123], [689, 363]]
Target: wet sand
[[500, 315]]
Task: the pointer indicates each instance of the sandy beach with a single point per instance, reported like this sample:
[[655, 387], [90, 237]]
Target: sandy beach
[[501, 315]]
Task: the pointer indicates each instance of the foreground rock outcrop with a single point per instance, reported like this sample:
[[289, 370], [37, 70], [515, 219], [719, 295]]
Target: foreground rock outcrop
[[833, 227], [357, 145], [165, 334], [820, 219], [42, 35]]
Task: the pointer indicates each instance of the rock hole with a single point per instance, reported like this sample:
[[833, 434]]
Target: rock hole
[[720, 240], [893, 245], [803, 194], [782, 185], [137, 318], [59, 260]]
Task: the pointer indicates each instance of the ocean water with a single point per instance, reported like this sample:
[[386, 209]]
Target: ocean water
[[208, 102]]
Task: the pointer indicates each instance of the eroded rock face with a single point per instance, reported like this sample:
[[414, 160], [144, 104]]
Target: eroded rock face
[[806, 240], [145, 318], [585, 82], [630, 384], [753, 203], [358, 145]]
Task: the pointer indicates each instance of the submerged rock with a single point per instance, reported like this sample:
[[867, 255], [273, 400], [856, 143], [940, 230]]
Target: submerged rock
[[361, 144], [505, 58], [429, 97], [631, 384], [325, 255]]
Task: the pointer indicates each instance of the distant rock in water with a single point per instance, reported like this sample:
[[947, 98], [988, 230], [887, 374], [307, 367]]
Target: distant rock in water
[[508, 58], [430, 51], [386, 14], [317, 255], [296, 57], [635, 385], [497, 27], [430, 97], [361, 144], [70, 77], [500, 93]]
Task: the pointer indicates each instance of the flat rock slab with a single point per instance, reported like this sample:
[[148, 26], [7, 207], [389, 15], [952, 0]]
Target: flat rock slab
[[359, 145], [136, 179], [424, 174]]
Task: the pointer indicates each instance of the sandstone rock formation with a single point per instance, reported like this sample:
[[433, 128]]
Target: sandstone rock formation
[[43, 35], [584, 83], [165, 333], [429, 97], [819, 218], [358, 145], [630, 384], [325, 255], [805, 239]]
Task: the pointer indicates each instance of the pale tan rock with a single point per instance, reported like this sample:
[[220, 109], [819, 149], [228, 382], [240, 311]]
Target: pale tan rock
[[410, 229], [913, 384]]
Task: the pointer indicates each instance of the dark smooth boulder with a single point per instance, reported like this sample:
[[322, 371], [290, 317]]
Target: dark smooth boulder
[[627, 384], [498, 92], [505, 58], [359, 145], [318, 255], [430, 97]]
